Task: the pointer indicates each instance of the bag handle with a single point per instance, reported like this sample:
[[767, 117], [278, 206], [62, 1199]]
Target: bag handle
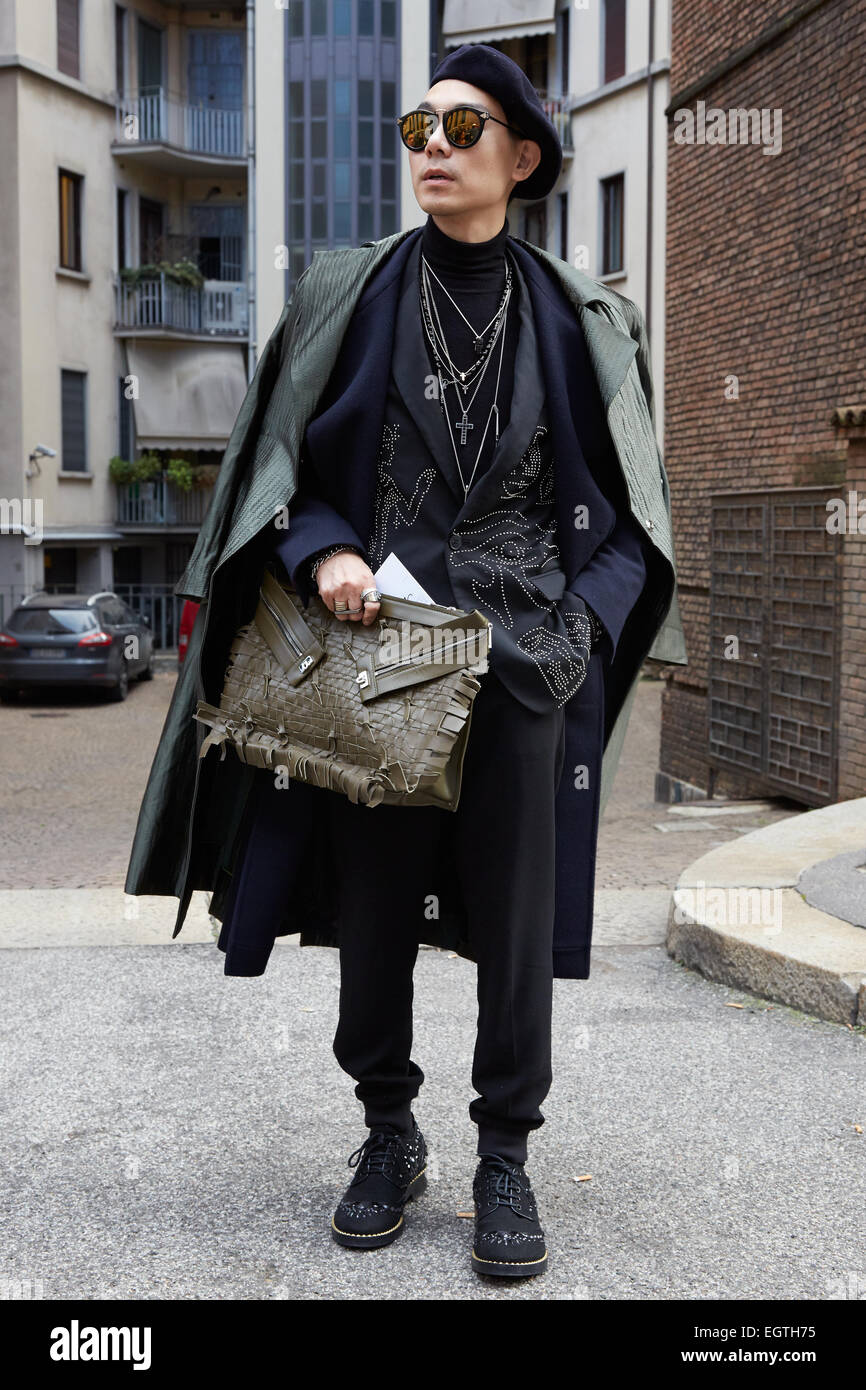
[[298, 649]]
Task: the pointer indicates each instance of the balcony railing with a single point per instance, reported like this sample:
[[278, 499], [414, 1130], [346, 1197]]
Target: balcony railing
[[160, 502], [558, 110], [155, 118], [219, 307]]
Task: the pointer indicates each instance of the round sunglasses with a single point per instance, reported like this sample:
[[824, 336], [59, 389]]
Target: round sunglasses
[[463, 126]]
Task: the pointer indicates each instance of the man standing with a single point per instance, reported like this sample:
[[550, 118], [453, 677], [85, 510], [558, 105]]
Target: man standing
[[463, 425]]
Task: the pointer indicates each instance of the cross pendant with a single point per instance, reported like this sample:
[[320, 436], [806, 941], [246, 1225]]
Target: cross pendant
[[463, 426]]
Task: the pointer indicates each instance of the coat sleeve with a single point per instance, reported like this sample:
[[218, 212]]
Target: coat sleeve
[[194, 583], [613, 580], [670, 642], [314, 524]]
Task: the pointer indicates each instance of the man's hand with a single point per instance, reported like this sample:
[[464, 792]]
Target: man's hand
[[341, 580]]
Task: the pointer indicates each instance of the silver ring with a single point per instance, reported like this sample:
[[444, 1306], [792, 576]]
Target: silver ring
[[371, 596], [355, 610]]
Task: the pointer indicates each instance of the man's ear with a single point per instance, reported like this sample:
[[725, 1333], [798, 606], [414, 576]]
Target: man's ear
[[528, 160]]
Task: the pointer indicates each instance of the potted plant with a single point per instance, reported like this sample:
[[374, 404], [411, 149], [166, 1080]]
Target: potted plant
[[182, 272]]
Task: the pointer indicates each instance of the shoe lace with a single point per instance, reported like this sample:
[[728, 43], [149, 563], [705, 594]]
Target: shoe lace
[[378, 1154], [504, 1188]]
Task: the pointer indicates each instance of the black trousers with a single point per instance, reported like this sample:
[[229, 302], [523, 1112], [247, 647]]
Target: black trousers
[[499, 848]]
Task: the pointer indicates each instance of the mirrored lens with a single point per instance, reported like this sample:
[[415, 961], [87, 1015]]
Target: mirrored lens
[[416, 129], [463, 126]]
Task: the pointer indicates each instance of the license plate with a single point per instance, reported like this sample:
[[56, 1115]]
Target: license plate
[[46, 653]]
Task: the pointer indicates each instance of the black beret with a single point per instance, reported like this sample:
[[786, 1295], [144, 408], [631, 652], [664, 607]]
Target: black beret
[[485, 67]]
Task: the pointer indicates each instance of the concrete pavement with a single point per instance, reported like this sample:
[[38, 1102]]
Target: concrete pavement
[[778, 912], [171, 1133]]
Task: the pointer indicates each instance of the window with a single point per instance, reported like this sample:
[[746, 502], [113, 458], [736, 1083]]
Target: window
[[342, 18], [70, 220], [612, 199], [73, 458], [120, 49], [536, 61], [122, 259], [124, 421], [563, 226], [67, 38], [149, 231], [563, 21], [344, 153], [215, 70], [111, 613], [61, 570], [177, 557], [149, 58], [614, 39], [53, 620], [535, 222]]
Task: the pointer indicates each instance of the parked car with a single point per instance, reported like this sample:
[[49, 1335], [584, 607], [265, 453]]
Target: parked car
[[187, 620], [74, 639]]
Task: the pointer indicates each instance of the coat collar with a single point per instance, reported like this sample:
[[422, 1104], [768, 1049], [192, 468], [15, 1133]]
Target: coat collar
[[337, 280]]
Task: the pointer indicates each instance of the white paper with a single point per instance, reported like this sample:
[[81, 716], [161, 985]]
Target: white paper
[[392, 577]]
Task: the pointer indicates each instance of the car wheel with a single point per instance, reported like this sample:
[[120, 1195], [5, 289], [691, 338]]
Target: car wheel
[[147, 673], [121, 690]]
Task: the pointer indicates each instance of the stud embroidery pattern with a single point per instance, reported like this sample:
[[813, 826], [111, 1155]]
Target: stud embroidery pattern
[[394, 509], [510, 545], [561, 660], [519, 479]]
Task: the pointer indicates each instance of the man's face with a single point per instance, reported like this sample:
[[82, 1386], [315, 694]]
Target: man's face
[[448, 181]]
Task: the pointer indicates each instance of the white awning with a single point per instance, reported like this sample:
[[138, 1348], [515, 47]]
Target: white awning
[[85, 533], [189, 394], [483, 21]]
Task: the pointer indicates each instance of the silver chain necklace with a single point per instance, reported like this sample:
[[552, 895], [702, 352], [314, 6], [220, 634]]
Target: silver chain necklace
[[478, 337], [443, 358], [427, 299]]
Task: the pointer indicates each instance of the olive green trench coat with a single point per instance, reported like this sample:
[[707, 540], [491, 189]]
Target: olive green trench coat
[[188, 823]]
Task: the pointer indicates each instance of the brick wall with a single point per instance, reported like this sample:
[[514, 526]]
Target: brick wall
[[765, 282]]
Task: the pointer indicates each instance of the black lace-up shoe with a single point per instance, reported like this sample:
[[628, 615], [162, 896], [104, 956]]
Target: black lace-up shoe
[[509, 1240], [391, 1171]]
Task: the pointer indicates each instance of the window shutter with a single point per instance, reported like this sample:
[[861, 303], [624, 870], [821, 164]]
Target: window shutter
[[74, 455], [67, 37], [614, 39]]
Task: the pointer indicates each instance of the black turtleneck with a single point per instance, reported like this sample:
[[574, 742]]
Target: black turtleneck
[[474, 274]]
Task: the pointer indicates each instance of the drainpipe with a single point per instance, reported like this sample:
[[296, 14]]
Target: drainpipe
[[251, 184], [648, 292]]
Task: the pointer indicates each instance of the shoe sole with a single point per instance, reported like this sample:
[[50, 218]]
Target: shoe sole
[[509, 1269], [358, 1240]]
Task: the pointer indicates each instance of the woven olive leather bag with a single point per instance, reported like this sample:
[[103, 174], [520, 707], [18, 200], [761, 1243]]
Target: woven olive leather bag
[[379, 713]]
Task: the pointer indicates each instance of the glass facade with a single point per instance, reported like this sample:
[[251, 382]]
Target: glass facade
[[343, 61]]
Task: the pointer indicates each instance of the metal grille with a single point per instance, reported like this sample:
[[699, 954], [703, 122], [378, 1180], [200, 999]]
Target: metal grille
[[775, 587]]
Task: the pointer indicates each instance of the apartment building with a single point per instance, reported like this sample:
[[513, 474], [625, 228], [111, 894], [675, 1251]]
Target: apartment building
[[167, 170]]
